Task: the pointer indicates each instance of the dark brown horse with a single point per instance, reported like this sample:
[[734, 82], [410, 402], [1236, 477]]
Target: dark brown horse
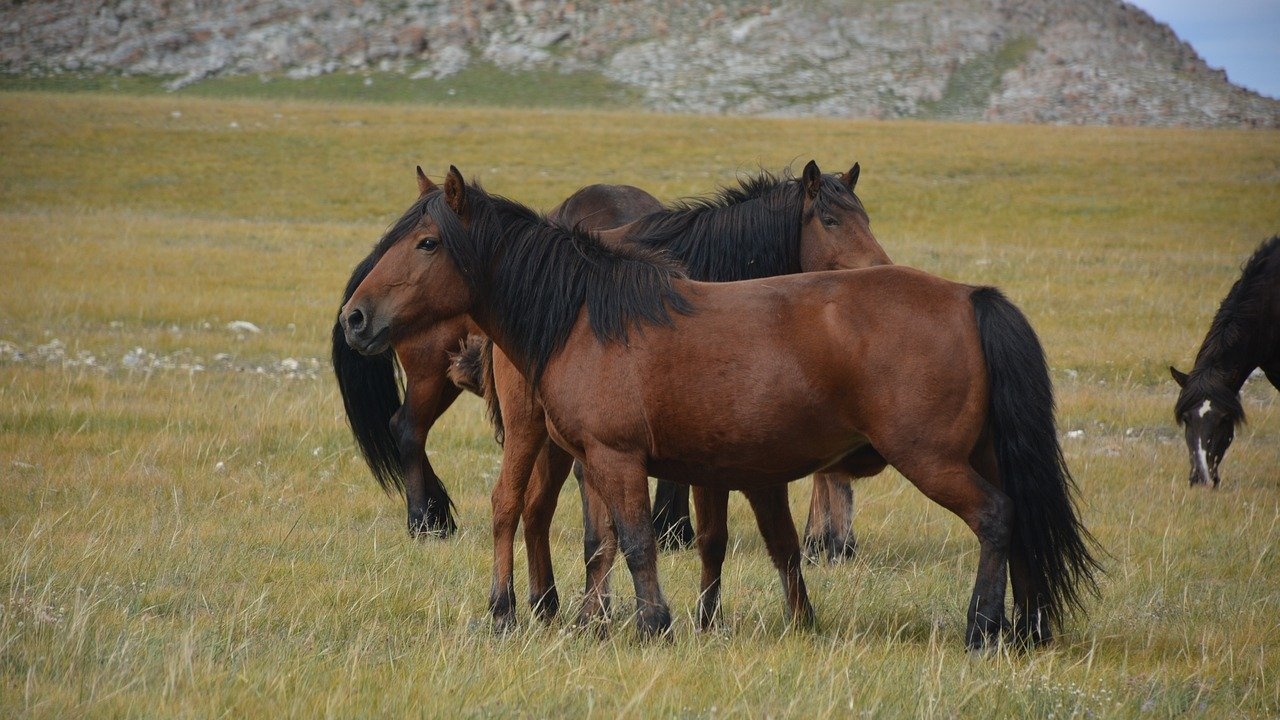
[[1244, 336], [748, 385], [392, 432]]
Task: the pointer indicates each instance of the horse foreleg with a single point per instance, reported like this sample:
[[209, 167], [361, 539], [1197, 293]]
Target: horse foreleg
[[526, 434], [671, 516], [621, 481], [599, 548], [549, 473], [773, 517], [427, 396], [712, 507]]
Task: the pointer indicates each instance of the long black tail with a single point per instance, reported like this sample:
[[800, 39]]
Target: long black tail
[[1047, 531], [371, 396]]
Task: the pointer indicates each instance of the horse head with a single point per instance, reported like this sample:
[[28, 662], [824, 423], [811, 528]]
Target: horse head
[[414, 282], [835, 230], [1208, 411]]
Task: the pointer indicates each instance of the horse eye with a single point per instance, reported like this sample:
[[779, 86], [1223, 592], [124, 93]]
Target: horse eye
[[429, 244], [829, 221]]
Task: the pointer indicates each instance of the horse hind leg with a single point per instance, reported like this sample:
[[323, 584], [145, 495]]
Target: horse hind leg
[[816, 535], [671, 516], [712, 507], [829, 530], [1030, 624], [425, 401], [773, 517], [989, 514]]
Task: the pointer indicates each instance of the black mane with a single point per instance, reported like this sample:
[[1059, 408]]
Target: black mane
[[1238, 337], [751, 231], [532, 278]]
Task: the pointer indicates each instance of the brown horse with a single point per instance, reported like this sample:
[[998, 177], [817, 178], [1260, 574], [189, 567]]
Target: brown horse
[[748, 385], [767, 227], [392, 432]]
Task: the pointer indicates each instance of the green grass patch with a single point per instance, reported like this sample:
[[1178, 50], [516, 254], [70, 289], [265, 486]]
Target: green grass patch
[[479, 84]]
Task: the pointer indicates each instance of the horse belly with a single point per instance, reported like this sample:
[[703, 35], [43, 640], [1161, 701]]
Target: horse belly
[[778, 428]]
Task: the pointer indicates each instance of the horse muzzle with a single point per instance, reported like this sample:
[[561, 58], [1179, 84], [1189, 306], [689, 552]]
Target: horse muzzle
[[1204, 468], [364, 334]]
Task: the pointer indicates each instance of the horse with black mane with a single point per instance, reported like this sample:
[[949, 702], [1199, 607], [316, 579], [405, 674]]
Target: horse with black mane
[[753, 384], [767, 227], [1244, 336]]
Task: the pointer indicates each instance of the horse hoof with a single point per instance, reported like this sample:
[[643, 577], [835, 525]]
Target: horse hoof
[[843, 549], [596, 624], [812, 550], [421, 528], [805, 620], [504, 624], [655, 622], [546, 607], [1030, 634], [982, 638]]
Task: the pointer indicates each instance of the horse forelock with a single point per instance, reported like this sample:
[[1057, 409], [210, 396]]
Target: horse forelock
[[1208, 384], [833, 195], [397, 230], [535, 277]]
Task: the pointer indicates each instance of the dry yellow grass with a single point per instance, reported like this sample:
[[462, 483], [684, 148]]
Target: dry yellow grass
[[196, 542]]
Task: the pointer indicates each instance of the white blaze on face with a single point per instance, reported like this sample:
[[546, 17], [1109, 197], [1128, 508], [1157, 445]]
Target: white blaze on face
[[1205, 407], [1202, 462]]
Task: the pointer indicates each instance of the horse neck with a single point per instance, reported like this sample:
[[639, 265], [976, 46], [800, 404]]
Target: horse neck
[[1230, 366], [713, 236]]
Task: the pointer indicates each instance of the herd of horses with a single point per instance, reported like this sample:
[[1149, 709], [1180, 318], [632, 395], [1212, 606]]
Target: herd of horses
[[735, 342]]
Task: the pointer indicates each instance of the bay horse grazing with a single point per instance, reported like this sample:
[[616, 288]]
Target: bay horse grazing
[[749, 385], [766, 227], [1244, 336], [392, 432]]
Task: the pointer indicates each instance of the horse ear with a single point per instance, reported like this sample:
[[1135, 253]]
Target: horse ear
[[455, 192], [424, 183], [812, 179], [1178, 376], [850, 179]]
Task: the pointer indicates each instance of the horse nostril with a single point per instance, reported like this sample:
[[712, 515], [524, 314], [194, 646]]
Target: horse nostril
[[355, 320]]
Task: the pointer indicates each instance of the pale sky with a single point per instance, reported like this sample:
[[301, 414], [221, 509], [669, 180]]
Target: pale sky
[[1239, 36]]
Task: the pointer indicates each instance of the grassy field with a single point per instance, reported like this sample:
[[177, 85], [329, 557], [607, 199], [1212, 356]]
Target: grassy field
[[186, 531]]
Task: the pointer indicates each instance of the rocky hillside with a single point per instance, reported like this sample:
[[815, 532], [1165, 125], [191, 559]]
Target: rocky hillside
[[1043, 61]]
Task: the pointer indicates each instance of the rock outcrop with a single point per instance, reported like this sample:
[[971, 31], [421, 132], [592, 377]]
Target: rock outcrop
[[1041, 61]]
